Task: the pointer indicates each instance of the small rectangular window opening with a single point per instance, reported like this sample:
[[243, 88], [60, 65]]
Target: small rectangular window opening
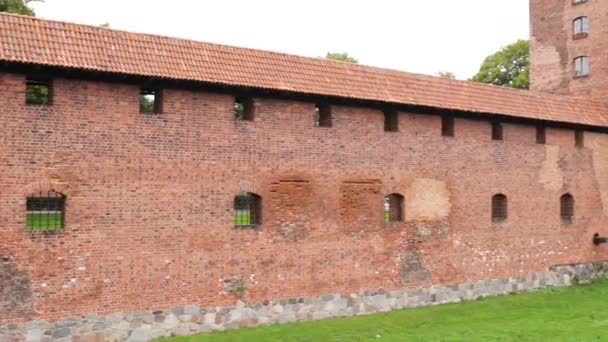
[[391, 121], [150, 101], [45, 212], [497, 131], [541, 135], [39, 92], [323, 115], [579, 138], [447, 126], [243, 109]]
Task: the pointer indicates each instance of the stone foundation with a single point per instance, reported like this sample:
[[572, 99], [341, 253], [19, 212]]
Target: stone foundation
[[188, 320]]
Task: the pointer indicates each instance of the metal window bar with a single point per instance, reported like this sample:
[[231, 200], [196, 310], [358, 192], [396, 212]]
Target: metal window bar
[[393, 208], [499, 208], [567, 208], [246, 210], [45, 211]]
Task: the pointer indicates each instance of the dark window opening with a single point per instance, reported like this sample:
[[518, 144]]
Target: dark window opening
[[323, 115], [45, 211], [499, 208], [38, 92], [447, 126], [247, 210], [496, 131], [579, 139], [243, 109], [150, 101], [581, 66], [567, 208], [393, 208], [580, 27], [391, 121], [541, 135]]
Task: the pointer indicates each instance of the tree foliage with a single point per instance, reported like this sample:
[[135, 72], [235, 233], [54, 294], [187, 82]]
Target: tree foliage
[[18, 6], [446, 74], [341, 56], [508, 67]]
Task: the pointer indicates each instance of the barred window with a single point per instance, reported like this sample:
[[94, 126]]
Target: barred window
[[496, 131], [243, 109], [38, 91], [391, 121], [323, 115], [247, 210], [499, 208], [393, 208], [567, 208], [447, 126], [541, 135], [150, 101], [45, 211]]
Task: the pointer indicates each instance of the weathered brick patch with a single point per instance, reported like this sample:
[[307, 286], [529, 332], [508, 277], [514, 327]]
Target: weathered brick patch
[[191, 319]]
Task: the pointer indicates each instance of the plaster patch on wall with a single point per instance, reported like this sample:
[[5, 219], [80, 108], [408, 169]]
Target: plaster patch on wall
[[550, 174], [427, 199], [599, 144]]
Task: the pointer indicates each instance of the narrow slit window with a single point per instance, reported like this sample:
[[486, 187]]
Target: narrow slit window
[[247, 210], [323, 115], [38, 91], [579, 139], [45, 211], [567, 208], [391, 121], [581, 66], [243, 109], [541, 135], [499, 208], [150, 101], [447, 126], [394, 208], [497, 131], [580, 27]]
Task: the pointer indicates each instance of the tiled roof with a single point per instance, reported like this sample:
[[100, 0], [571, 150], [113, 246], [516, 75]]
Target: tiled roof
[[45, 42]]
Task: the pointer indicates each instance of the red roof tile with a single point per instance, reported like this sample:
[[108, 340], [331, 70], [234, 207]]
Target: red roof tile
[[45, 42]]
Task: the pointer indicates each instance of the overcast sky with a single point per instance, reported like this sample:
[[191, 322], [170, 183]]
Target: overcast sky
[[424, 36]]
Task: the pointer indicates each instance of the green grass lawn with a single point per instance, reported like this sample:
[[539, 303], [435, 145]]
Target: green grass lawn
[[46, 221], [566, 314]]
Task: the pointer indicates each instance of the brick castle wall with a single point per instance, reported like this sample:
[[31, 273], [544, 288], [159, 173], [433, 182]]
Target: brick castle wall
[[553, 47], [149, 219]]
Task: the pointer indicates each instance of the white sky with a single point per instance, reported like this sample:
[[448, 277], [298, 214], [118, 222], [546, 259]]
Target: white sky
[[424, 36]]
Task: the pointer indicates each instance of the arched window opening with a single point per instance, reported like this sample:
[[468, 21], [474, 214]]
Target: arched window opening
[[499, 208], [581, 66], [393, 208], [567, 208], [247, 210], [45, 211]]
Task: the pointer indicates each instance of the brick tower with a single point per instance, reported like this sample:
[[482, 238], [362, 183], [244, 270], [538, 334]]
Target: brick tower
[[569, 47]]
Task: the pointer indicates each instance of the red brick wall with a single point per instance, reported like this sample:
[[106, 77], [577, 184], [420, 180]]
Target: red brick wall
[[150, 201], [553, 47]]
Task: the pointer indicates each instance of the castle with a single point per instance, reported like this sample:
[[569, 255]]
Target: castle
[[155, 186]]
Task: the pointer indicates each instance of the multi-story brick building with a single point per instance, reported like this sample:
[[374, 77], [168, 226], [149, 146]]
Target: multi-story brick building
[[569, 47], [150, 183]]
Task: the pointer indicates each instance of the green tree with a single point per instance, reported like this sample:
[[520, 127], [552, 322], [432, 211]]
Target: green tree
[[508, 67], [341, 56], [18, 6], [446, 74]]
